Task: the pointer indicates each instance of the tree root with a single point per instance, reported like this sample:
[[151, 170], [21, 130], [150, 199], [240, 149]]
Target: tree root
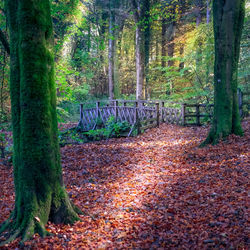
[[24, 230]]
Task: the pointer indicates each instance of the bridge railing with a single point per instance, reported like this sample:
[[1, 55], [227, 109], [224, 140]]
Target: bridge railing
[[144, 114], [140, 115]]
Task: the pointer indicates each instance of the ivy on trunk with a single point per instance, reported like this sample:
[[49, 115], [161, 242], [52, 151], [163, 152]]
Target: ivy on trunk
[[39, 191], [228, 23]]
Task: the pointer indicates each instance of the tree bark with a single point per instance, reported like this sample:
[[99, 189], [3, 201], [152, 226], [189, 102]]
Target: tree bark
[[168, 35], [171, 44], [228, 23], [40, 193], [163, 43], [111, 52], [147, 35], [198, 7], [4, 42], [139, 12], [181, 64], [208, 12], [139, 44]]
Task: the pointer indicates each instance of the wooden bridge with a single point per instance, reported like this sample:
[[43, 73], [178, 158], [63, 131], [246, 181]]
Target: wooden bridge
[[142, 115]]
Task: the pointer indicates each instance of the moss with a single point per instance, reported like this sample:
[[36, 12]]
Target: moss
[[228, 24], [40, 193]]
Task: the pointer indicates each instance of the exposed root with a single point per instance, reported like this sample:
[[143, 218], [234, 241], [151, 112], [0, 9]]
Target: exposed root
[[25, 231], [10, 238], [5, 225], [76, 209]]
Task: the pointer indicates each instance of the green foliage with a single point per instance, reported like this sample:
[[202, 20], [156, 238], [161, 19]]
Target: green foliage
[[244, 62], [3, 143], [71, 136], [116, 128], [113, 128]]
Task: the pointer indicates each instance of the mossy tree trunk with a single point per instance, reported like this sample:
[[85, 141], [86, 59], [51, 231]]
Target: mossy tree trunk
[[228, 23], [39, 189]]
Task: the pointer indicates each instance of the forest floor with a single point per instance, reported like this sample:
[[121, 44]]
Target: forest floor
[[154, 191]]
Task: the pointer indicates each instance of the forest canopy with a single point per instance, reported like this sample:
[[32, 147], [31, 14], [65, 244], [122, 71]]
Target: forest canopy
[[95, 51]]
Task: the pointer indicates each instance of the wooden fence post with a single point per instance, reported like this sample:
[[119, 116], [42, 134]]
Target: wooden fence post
[[137, 120], [162, 111], [116, 110], [198, 115], [80, 124], [183, 108], [157, 114], [240, 101], [97, 110]]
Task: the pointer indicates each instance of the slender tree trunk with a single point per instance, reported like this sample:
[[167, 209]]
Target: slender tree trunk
[[228, 23], [208, 11], [111, 54], [198, 6], [168, 34], [170, 40], [118, 37], [89, 37], [163, 43], [139, 50], [139, 63], [147, 35], [40, 193], [181, 65], [4, 42]]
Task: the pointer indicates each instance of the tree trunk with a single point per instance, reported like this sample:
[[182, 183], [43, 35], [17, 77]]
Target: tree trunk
[[198, 7], [147, 35], [181, 64], [163, 43], [228, 24], [40, 193], [208, 11], [111, 54], [4, 42], [168, 35], [170, 40], [139, 43], [139, 48]]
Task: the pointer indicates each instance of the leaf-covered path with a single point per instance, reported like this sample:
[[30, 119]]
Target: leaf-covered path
[[156, 191]]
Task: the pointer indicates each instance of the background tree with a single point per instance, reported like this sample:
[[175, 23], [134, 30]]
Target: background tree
[[228, 23], [40, 193]]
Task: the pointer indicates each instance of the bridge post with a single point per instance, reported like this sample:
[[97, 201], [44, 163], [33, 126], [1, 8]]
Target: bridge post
[[198, 115], [137, 120], [240, 101], [80, 124], [97, 110], [162, 111], [157, 114], [116, 110], [183, 108]]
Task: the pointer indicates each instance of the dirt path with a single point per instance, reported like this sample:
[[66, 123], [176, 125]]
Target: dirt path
[[156, 191]]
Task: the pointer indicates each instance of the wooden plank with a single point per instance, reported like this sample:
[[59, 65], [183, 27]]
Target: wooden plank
[[148, 126], [149, 120]]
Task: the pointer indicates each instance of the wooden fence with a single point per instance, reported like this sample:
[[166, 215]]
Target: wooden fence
[[143, 115]]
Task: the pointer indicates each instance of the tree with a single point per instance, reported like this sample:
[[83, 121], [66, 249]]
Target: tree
[[168, 31], [147, 34], [141, 9], [39, 191], [228, 23]]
